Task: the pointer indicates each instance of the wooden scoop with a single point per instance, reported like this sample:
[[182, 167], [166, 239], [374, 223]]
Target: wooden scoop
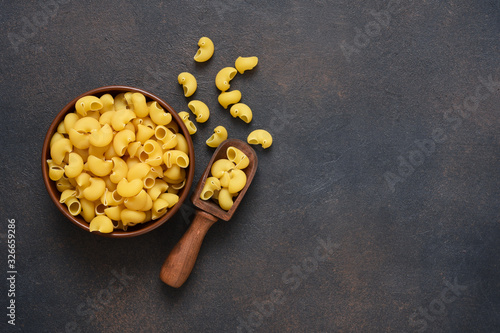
[[180, 261]]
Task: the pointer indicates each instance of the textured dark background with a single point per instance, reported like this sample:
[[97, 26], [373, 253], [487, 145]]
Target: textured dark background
[[342, 122]]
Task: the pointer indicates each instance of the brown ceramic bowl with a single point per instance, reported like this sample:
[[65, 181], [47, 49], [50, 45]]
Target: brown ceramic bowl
[[78, 220]]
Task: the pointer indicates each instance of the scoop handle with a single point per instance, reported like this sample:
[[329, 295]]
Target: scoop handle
[[180, 261]]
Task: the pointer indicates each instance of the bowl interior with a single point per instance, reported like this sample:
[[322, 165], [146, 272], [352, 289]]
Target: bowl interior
[[138, 229]]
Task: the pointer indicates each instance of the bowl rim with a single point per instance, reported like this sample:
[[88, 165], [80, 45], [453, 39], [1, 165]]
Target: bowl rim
[[139, 229]]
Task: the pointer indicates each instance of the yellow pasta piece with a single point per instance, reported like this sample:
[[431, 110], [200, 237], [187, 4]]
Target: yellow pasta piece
[[220, 134], [121, 118], [158, 115], [154, 151], [144, 133], [55, 171], [95, 190], [87, 103], [88, 210], [159, 208], [205, 51], [223, 78], [74, 206], [188, 82], [69, 121], [98, 166], [225, 199], [166, 136], [212, 184], [261, 137], [113, 212], [176, 157], [237, 182], [128, 189], [108, 103], [188, 123], [140, 107], [159, 187], [75, 166], [132, 217], [138, 171], [227, 98], [221, 166], [174, 174], [119, 171], [59, 150], [243, 64], [102, 224], [182, 144], [106, 117], [101, 137], [171, 198], [241, 111], [56, 137], [121, 141], [200, 109], [141, 202], [237, 157]]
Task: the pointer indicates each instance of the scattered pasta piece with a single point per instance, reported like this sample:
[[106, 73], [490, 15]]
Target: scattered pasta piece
[[243, 64], [188, 82], [220, 134], [223, 77], [205, 51], [241, 111], [261, 137], [229, 97], [200, 109]]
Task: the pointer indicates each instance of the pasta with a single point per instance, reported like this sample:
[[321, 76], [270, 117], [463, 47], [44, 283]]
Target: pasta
[[220, 134], [261, 137], [237, 157], [205, 51], [102, 224], [227, 178], [223, 77], [200, 109], [188, 123], [226, 98], [241, 111], [118, 161], [188, 82], [243, 64]]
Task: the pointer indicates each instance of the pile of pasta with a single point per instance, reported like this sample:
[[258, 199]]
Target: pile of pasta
[[225, 98], [227, 178], [118, 161]]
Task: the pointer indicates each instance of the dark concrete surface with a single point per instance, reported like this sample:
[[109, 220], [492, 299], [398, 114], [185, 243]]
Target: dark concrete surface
[[386, 151]]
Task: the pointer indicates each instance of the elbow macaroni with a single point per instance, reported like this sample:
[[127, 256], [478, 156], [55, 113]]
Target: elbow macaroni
[[205, 51], [109, 161], [220, 134], [188, 82], [243, 64], [223, 77], [200, 109], [229, 97], [241, 111], [188, 123], [261, 137]]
